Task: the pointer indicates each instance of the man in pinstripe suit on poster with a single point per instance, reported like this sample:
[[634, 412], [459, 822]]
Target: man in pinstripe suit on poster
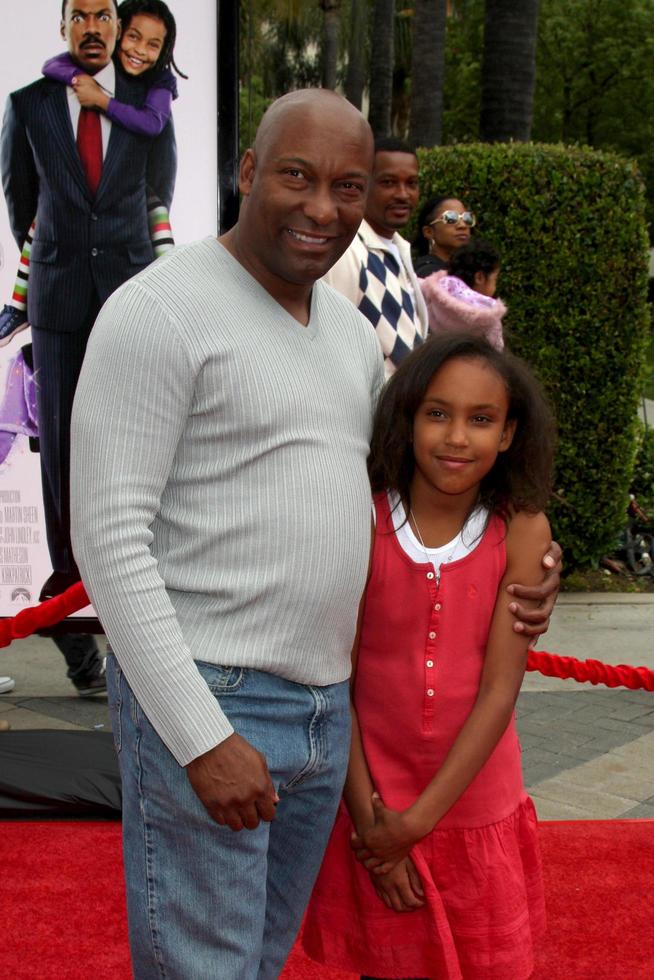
[[91, 235]]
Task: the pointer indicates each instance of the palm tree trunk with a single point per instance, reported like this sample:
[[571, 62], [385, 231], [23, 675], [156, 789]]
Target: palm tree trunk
[[382, 57], [355, 78], [331, 40], [427, 72], [508, 70]]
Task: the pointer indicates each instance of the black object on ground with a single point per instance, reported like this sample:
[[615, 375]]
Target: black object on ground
[[46, 773]]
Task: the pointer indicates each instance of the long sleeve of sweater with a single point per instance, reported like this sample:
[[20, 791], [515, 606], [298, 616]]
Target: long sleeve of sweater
[[137, 368], [62, 69]]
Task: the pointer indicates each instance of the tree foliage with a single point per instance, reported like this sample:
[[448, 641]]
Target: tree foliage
[[594, 64], [595, 83], [594, 78], [281, 50]]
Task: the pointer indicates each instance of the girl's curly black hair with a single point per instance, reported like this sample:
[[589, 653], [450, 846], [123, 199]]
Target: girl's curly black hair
[[521, 476], [477, 255], [158, 9]]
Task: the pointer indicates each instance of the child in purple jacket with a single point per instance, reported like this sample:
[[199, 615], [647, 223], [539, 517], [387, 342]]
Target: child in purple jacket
[[462, 297], [146, 46]]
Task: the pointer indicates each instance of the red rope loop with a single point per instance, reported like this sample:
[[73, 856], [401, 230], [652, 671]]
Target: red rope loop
[[593, 671], [47, 613], [52, 611]]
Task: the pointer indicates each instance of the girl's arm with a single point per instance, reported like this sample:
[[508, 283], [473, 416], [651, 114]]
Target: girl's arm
[[359, 787], [400, 889], [147, 120], [62, 69], [395, 833], [89, 94], [150, 119], [399, 886]]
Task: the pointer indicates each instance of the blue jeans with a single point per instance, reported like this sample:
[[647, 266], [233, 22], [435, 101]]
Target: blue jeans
[[203, 902]]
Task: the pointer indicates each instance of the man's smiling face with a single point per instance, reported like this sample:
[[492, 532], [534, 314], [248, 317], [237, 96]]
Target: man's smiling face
[[393, 193], [305, 187]]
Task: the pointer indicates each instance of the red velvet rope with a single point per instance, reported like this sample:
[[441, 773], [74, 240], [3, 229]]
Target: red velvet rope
[[593, 671], [34, 618], [52, 611]]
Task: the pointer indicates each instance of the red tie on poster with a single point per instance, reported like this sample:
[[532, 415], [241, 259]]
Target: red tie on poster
[[89, 144]]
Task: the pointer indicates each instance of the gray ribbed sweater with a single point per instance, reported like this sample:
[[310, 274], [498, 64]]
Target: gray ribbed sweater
[[220, 503]]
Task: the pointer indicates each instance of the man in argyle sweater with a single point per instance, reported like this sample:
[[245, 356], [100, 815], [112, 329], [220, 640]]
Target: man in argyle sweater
[[376, 272]]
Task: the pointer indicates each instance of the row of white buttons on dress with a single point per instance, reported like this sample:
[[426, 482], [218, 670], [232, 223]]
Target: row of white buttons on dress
[[432, 636]]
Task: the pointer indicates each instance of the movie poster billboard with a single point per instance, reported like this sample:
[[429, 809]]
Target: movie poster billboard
[[28, 39]]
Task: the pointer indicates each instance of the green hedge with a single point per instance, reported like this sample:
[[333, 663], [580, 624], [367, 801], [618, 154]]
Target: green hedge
[[570, 225]]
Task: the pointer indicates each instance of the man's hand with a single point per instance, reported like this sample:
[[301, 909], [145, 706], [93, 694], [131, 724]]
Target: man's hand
[[89, 94], [233, 783], [533, 622]]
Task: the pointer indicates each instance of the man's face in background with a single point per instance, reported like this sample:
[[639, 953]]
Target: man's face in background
[[90, 28]]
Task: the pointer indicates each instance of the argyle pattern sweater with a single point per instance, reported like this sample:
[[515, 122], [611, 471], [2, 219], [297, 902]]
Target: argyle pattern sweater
[[385, 291]]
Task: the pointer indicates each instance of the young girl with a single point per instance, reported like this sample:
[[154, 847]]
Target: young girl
[[145, 49], [462, 297], [437, 822]]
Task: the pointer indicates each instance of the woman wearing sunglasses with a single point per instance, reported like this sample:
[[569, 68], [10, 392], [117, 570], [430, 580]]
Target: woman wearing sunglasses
[[444, 225]]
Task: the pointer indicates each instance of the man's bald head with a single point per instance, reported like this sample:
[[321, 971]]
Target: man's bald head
[[311, 105]]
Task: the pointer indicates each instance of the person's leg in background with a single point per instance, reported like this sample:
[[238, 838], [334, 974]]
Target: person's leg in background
[[58, 360], [13, 317], [86, 665]]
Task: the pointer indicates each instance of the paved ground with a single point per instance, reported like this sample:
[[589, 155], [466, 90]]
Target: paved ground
[[588, 751]]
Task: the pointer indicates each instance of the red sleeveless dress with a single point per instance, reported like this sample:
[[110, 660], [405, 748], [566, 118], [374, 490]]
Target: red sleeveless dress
[[420, 661]]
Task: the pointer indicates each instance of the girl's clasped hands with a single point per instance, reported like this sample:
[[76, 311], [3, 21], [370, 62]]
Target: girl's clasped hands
[[384, 850]]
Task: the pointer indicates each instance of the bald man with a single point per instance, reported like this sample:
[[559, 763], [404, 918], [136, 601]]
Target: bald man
[[222, 528], [221, 522]]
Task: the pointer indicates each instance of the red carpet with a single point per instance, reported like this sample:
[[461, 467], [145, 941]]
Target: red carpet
[[63, 917]]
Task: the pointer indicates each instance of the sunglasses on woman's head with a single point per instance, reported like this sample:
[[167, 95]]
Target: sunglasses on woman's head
[[453, 218]]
